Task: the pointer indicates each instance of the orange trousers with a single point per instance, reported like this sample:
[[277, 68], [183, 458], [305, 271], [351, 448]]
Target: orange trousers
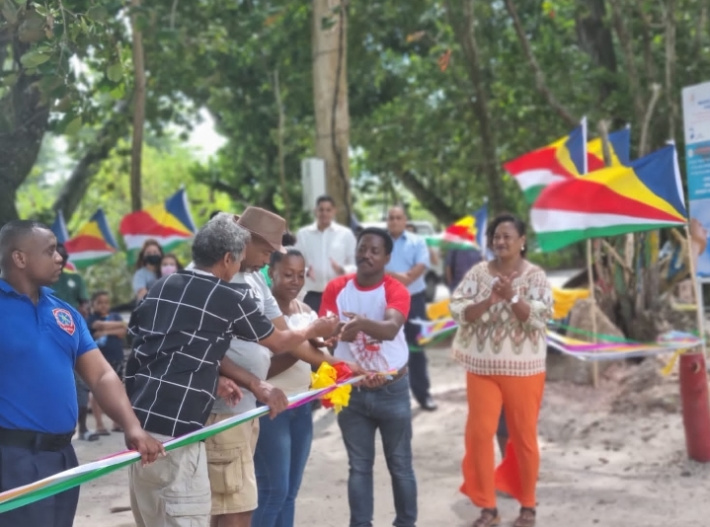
[[517, 474]]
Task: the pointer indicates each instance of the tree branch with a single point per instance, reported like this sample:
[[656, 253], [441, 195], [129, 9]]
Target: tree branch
[[540, 83], [670, 39], [139, 107], [655, 95], [629, 59], [75, 187], [464, 27], [649, 64], [430, 200]]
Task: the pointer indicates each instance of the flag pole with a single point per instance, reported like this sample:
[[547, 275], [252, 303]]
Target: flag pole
[[593, 299], [697, 291]]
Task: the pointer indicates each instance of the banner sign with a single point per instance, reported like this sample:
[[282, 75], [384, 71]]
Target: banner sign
[[696, 120]]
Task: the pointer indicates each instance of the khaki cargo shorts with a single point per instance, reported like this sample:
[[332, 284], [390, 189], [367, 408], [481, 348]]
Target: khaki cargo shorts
[[230, 465], [172, 492]]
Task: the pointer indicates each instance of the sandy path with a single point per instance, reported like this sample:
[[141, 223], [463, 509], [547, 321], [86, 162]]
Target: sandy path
[[599, 466]]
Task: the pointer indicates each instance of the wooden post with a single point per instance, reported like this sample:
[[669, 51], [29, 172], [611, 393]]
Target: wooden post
[[593, 299], [697, 291]]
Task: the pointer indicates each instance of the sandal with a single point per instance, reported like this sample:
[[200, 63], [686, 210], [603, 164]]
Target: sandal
[[488, 518], [526, 518], [102, 432]]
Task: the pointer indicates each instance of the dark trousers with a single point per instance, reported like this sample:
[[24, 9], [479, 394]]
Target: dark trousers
[[312, 300], [418, 373], [20, 466]]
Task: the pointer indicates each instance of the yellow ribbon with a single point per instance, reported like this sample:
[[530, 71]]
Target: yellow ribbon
[[668, 368]]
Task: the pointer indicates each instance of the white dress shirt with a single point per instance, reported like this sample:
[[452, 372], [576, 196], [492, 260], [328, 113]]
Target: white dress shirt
[[335, 243]]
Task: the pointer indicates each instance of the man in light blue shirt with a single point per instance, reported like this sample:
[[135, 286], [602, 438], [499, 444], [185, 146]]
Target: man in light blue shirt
[[408, 263]]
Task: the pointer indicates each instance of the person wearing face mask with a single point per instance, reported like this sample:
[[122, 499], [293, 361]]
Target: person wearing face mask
[[169, 265], [147, 268]]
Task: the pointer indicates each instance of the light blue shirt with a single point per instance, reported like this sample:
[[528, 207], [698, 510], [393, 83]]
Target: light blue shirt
[[409, 250]]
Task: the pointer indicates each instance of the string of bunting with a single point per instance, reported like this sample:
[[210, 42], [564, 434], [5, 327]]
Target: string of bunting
[[332, 384], [609, 347]]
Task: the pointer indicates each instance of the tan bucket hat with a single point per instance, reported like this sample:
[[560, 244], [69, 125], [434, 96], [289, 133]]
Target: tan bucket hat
[[266, 225]]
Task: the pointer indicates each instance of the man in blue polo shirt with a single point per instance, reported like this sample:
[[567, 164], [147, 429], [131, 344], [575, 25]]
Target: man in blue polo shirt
[[43, 340], [408, 263]]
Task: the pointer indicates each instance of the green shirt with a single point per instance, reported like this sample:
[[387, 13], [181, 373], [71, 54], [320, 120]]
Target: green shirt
[[71, 288]]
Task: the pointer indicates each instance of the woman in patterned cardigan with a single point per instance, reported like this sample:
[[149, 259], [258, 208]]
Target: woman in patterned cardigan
[[502, 307]]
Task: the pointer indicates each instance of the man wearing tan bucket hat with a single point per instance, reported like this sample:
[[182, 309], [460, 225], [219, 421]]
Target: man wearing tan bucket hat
[[230, 455]]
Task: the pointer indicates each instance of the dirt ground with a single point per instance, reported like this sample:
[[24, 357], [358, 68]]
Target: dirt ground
[[614, 456]]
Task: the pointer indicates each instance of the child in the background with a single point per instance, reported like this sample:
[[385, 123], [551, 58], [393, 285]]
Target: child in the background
[[109, 332], [169, 265]]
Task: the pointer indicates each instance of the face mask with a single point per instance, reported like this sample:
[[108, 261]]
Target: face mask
[[168, 269], [152, 259]]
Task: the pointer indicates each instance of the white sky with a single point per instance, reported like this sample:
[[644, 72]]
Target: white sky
[[203, 140]]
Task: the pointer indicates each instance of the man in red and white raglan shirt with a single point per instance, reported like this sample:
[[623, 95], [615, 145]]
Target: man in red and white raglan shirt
[[374, 308]]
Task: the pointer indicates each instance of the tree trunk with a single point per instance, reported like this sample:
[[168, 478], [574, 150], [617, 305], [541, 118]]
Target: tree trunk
[[138, 108], [462, 21], [280, 143], [75, 187], [429, 200], [25, 119], [330, 97], [595, 38]]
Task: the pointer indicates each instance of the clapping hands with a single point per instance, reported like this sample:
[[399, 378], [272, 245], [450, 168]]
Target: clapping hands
[[502, 288]]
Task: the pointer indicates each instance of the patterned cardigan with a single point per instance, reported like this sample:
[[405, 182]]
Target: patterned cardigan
[[498, 343]]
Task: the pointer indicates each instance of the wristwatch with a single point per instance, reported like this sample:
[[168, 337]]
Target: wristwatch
[[515, 299]]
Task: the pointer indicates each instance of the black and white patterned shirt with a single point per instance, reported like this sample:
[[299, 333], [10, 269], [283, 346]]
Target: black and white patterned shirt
[[181, 331]]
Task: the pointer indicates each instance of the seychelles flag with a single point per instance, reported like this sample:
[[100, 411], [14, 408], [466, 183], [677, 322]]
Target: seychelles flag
[[59, 228], [646, 195], [564, 159], [569, 157], [169, 223], [93, 243], [619, 149], [467, 233]]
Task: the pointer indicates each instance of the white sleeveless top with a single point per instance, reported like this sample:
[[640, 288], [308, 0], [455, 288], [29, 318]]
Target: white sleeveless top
[[297, 378]]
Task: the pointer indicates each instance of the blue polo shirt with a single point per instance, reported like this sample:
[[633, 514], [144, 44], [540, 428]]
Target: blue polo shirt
[[409, 250], [39, 346]]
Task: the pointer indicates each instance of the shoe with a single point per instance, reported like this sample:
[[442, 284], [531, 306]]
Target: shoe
[[526, 518], [429, 405], [88, 436], [101, 432], [488, 518]]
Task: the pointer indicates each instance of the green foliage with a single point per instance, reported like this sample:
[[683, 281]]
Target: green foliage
[[62, 45], [165, 170]]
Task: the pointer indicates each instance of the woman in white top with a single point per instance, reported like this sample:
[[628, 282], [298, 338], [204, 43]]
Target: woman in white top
[[285, 441]]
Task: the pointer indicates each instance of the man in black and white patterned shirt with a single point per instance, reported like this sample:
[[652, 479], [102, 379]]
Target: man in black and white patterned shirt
[[181, 331]]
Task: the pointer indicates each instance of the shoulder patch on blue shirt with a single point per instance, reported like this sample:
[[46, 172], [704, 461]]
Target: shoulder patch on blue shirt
[[64, 320]]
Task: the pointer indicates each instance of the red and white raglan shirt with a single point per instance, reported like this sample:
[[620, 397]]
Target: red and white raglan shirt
[[344, 295]]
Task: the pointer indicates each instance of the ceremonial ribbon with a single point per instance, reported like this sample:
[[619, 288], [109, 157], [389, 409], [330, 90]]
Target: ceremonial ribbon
[[68, 479], [611, 348]]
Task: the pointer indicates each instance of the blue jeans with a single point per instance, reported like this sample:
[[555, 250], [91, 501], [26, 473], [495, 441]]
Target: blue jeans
[[387, 408], [279, 459]]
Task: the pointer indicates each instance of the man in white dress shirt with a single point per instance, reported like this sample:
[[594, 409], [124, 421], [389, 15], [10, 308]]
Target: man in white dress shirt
[[329, 250]]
